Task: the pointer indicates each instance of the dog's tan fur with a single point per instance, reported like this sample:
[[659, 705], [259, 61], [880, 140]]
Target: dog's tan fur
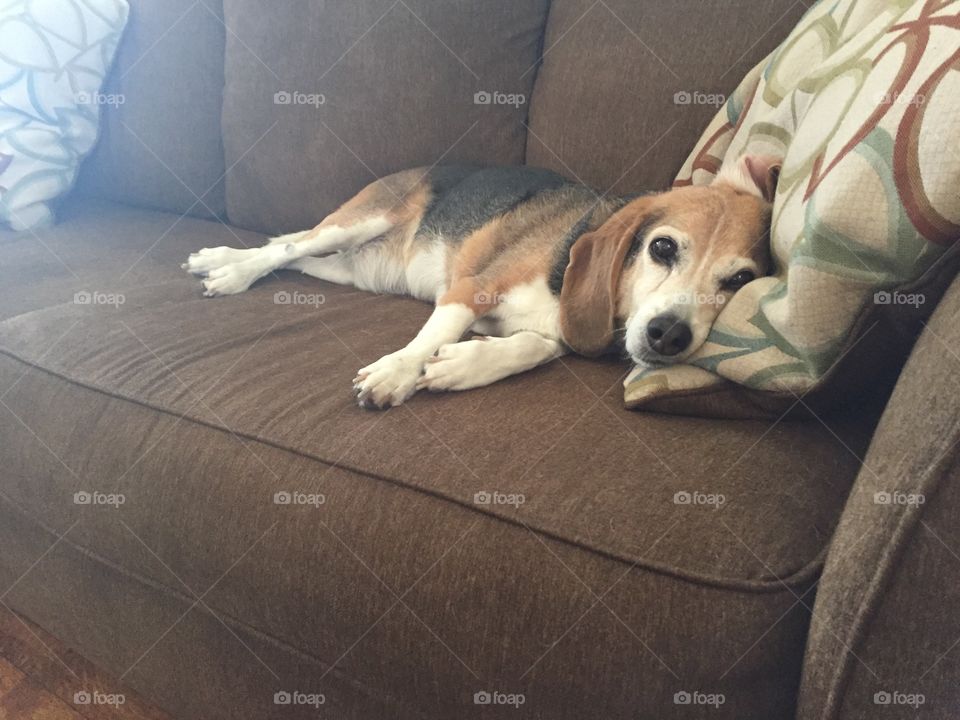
[[719, 214]]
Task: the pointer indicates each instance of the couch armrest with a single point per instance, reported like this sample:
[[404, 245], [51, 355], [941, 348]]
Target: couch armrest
[[885, 632], [161, 147]]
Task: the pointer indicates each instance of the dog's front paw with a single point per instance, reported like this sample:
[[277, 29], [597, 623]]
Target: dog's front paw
[[387, 382], [207, 259], [457, 366]]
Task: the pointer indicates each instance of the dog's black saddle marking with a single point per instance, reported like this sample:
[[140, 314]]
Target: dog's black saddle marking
[[467, 198]]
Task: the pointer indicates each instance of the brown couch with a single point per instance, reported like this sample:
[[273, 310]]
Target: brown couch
[[601, 595]]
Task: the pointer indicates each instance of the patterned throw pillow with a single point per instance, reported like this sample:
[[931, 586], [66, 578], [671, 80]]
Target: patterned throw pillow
[[862, 101], [54, 55]]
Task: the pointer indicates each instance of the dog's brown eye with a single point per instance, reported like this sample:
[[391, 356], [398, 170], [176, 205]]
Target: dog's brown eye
[[663, 250], [739, 280]]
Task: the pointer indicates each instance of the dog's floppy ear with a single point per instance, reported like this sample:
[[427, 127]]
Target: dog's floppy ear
[[588, 297], [753, 174]]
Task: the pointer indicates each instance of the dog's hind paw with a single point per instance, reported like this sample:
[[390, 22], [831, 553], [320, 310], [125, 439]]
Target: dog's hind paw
[[228, 280], [207, 259]]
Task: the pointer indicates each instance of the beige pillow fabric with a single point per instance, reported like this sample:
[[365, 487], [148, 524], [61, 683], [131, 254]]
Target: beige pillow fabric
[[862, 100]]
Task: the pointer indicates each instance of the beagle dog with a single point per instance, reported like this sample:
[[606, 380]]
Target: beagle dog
[[534, 263]]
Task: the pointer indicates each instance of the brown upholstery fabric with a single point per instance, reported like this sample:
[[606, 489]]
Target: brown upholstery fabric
[[605, 107], [599, 596], [886, 617], [398, 80], [103, 248], [162, 148]]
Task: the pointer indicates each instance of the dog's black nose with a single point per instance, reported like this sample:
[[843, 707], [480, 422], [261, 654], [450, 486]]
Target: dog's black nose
[[668, 334]]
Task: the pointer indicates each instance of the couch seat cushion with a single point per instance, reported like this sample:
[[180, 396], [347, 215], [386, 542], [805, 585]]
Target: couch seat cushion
[[623, 558]]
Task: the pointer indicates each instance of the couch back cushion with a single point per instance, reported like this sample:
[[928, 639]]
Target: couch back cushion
[[160, 144], [627, 87], [322, 98]]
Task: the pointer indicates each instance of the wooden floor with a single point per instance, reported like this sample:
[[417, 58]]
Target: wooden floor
[[41, 679]]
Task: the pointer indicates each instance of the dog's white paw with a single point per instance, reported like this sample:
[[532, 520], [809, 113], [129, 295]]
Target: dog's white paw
[[207, 259], [456, 366], [388, 382], [228, 280]]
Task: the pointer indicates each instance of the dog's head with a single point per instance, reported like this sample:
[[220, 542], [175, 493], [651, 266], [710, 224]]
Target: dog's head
[[663, 266]]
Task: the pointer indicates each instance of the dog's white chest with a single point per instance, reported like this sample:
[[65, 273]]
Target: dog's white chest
[[530, 306], [426, 273]]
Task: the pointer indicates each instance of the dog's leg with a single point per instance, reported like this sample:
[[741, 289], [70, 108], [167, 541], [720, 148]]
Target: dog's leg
[[328, 237], [390, 204], [336, 268], [207, 259], [393, 378], [479, 362]]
